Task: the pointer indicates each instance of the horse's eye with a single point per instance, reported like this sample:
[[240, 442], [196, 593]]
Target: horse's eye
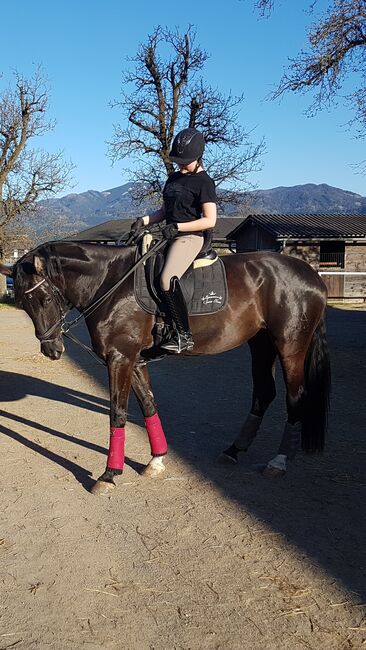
[[47, 300]]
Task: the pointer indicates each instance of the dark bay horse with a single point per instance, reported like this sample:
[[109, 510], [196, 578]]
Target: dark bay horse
[[276, 303]]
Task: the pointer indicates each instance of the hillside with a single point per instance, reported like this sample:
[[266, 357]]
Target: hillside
[[79, 211], [310, 199]]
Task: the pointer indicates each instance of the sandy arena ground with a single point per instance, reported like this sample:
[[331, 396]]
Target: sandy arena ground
[[208, 557]]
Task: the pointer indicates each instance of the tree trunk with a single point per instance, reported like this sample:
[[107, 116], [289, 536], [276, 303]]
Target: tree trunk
[[3, 293]]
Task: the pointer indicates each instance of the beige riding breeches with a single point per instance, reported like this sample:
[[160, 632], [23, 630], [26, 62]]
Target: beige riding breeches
[[182, 251]]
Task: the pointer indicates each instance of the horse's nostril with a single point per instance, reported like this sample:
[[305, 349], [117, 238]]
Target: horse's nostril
[[52, 354]]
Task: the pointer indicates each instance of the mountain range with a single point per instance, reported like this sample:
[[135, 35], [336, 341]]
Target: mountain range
[[80, 211]]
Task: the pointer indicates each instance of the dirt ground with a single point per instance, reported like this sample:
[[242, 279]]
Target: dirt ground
[[205, 558]]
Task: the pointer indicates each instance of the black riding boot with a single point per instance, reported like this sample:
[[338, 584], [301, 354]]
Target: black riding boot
[[180, 337]]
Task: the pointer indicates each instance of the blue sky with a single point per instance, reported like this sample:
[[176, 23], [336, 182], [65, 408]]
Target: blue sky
[[82, 47]]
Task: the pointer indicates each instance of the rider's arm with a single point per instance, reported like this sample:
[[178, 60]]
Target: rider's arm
[[155, 217], [208, 219]]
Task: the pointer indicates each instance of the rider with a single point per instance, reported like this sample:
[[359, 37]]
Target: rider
[[189, 208]]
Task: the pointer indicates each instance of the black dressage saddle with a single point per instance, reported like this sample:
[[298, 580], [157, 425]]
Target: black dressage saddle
[[204, 283]]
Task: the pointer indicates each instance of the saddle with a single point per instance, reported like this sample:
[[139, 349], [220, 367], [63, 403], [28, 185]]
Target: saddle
[[204, 283]]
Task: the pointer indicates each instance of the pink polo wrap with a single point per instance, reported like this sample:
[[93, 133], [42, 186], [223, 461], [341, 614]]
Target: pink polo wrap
[[116, 455], [158, 443]]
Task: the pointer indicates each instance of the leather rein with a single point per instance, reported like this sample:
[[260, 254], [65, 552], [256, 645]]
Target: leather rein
[[64, 307]]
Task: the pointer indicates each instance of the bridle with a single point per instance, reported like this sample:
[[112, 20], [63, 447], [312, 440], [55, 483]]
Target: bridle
[[65, 306], [62, 305], [35, 286]]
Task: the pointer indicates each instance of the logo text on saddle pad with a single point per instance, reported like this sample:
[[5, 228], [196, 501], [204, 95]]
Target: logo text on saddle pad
[[211, 298]]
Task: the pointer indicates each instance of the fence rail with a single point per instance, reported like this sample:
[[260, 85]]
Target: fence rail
[[338, 287], [342, 273]]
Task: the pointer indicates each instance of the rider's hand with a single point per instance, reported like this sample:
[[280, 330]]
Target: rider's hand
[[136, 230], [137, 226], [170, 231]]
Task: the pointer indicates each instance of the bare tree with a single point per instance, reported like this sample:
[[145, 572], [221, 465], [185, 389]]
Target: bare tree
[[337, 51], [265, 6], [43, 224], [26, 174], [163, 93]]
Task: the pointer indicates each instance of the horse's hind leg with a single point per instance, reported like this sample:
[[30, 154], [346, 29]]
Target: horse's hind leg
[[145, 397], [293, 371], [264, 391]]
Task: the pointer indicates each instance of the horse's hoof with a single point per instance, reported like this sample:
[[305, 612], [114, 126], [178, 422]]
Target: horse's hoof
[[227, 459], [155, 468], [270, 472], [103, 488]]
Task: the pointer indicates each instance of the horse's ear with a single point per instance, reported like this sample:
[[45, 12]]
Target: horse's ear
[[38, 264], [6, 270]]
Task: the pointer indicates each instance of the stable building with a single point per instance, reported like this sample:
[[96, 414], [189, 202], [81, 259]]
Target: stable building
[[110, 232], [335, 245]]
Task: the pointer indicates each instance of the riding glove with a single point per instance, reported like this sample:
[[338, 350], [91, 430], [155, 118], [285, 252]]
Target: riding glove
[[170, 231]]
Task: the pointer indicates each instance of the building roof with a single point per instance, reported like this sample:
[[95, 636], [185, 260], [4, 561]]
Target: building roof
[[308, 226], [224, 226], [113, 230], [107, 231]]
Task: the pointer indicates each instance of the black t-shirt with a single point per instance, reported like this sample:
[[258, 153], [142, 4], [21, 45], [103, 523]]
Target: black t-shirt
[[184, 194]]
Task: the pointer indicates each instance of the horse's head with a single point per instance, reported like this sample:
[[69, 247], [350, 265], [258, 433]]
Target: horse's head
[[35, 292]]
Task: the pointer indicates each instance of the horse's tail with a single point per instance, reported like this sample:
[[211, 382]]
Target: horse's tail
[[317, 382]]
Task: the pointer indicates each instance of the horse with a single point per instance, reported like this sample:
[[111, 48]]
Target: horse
[[276, 303]]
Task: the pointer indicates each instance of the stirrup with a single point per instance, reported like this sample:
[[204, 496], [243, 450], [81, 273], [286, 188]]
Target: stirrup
[[178, 343]]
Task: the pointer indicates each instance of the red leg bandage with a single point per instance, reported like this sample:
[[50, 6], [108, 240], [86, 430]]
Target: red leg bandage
[[116, 455], [158, 443]]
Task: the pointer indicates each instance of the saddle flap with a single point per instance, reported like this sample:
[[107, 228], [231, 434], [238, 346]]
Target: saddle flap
[[204, 289]]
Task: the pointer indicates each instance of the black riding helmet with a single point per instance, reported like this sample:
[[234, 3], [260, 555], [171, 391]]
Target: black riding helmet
[[188, 145]]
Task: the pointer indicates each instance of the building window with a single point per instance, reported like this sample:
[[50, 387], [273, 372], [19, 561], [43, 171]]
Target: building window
[[331, 255]]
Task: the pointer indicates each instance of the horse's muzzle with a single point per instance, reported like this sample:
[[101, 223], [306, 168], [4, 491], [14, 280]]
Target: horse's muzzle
[[53, 349]]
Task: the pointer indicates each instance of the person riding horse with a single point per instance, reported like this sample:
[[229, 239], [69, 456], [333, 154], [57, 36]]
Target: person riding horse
[[189, 209]]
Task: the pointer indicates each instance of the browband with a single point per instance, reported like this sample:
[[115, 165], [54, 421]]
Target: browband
[[35, 286]]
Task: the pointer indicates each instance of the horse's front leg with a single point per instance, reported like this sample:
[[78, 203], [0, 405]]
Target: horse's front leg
[[158, 445], [120, 370]]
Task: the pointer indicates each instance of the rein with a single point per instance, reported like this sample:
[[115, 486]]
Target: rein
[[66, 326]]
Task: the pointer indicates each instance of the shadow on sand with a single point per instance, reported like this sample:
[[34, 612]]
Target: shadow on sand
[[319, 506]]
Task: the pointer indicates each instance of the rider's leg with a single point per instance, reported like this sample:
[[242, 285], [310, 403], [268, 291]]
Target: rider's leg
[[181, 254], [180, 337]]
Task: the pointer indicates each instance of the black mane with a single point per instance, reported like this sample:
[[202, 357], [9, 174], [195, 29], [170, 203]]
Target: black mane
[[51, 256]]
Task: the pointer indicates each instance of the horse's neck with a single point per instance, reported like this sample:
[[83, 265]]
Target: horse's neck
[[90, 270]]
